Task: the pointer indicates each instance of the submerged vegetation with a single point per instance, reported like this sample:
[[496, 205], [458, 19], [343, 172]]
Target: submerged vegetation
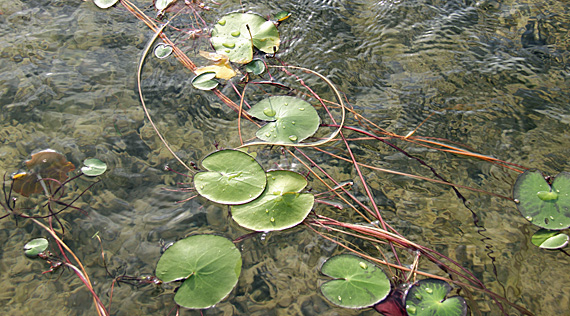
[[282, 109]]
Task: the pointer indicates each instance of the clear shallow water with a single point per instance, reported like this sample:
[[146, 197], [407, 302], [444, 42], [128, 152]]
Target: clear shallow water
[[67, 82]]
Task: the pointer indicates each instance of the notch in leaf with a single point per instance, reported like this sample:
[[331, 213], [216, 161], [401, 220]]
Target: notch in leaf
[[428, 297], [205, 81], [549, 239]]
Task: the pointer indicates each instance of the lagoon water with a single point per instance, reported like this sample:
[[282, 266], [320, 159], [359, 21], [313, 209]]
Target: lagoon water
[[494, 75]]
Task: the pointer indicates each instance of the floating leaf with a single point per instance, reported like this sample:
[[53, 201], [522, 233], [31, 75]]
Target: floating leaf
[[162, 50], [163, 4], [292, 119], [235, 35], [544, 205], [46, 164], [282, 16], [548, 239], [234, 177], [93, 167], [279, 207], [35, 246], [205, 81], [428, 297], [358, 283], [104, 4], [210, 266], [256, 67]]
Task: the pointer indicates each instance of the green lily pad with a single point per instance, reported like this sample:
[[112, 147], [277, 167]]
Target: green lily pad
[[279, 207], [233, 177], [291, 119], [236, 34], [162, 50], [210, 266], [35, 246], [93, 167], [104, 4], [205, 81], [549, 239], [256, 67], [428, 297], [358, 283], [282, 16], [544, 205]]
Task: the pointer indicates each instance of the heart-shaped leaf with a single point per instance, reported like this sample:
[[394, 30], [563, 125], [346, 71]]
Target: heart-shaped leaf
[[256, 67], [93, 167], [542, 204], [162, 4], [279, 207], [46, 164], [235, 34], [205, 81], [162, 50], [104, 4], [428, 297], [35, 246], [358, 283], [210, 266], [291, 119], [234, 177], [549, 239]]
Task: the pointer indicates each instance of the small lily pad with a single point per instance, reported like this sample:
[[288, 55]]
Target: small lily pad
[[35, 246], [93, 167], [291, 119], [104, 4], [281, 206], [549, 239], [209, 265], [544, 205], [205, 81], [428, 297], [233, 177], [162, 50], [358, 283], [236, 34], [282, 16], [162, 4], [256, 67]]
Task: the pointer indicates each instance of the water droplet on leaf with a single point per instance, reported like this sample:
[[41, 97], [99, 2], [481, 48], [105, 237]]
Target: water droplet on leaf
[[429, 290], [222, 22], [363, 265], [229, 45], [293, 138], [235, 33], [411, 309], [272, 219], [269, 112], [301, 109]]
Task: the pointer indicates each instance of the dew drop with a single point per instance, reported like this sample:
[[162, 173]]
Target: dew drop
[[235, 33], [529, 218], [339, 298], [418, 296], [517, 201], [285, 104], [269, 112], [429, 290], [201, 187], [266, 211], [411, 309], [229, 45], [551, 217], [222, 22], [227, 50], [272, 219], [293, 122], [363, 265], [250, 195], [267, 134], [301, 109], [293, 138]]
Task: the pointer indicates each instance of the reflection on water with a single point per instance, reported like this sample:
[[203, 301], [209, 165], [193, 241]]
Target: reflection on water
[[495, 74]]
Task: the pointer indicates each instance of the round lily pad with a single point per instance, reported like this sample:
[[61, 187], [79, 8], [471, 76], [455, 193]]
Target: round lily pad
[[236, 34], [279, 207], [104, 4], [549, 239], [205, 81], [35, 246], [233, 177], [428, 297], [358, 283], [256, 67], [544, 205], [93, 167], [291, 119], [209, 264], [162, 50]]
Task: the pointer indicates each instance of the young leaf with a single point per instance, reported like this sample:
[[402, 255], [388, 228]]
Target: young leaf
[[35, 246], [93, 167], [428, 297], [549, 239], [205, 81]]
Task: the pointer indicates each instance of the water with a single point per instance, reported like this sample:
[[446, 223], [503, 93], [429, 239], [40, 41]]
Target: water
[[494, 73]]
